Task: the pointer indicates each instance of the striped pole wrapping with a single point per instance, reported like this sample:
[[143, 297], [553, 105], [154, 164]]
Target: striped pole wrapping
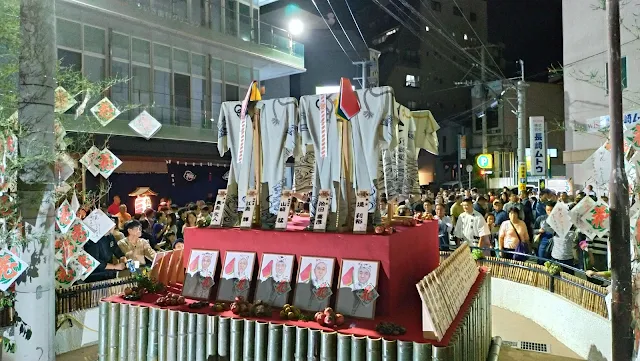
[[223, 338], [236, 339], [358, 349], [124, 331], [132, 347], [274, 350], [389, 350], [191, 336], [114, 328], [288, 342], [374, 349], [328, 348], [405, 350], [183, 320], [143, 335], [248, 349], [212, 337], [163, 339], [103, 327], [261, 341], [313, 345], [201, 335], [152, 340], [344, 347], [172, 330]]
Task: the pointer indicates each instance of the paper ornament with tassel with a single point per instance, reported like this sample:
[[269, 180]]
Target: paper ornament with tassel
[[347, 103]]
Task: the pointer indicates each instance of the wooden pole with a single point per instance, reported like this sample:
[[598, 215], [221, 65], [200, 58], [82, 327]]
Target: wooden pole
[[346, 168], [621, 334], [257, 158]]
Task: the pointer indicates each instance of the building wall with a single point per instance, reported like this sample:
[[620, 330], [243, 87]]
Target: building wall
[[585, 57]]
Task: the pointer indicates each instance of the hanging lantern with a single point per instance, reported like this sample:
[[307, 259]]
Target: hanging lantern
[[143, 199]]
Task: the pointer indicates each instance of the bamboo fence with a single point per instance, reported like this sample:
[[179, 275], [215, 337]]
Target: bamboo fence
[[87, 295]]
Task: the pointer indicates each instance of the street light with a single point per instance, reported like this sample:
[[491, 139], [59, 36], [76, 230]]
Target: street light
[[296, 27]]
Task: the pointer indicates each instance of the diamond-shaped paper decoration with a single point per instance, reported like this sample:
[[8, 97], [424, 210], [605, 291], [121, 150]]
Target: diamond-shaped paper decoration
[[60, 133], [79, 233], [560, 219], [88, 262], [65, 249], [11, 267], [98, 224], [107, 162], [598, 218], [598, 168], [89, 158], [578, 211], [62, 189], [63, 100], [65, 217], [75, 203], [7, 205], [63, 168], [65, 276], [632, 136], [145, 125], [105, 111]]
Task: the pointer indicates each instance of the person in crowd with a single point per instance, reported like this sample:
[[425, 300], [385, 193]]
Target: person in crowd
[[169, 240], [163, 203], [564, 198], [504, 198], [383, 207], [306, 209], [589, 191], [527, 207], [160, 228], [139, 217], [114, 207], [544, 233], [445, 226], [105, 251], [123, 216], [439, 200], [172, 223], [404, 210], [133, 246], [451, 200], [150, 215], [210, 198], [191, 221], [499, 214], [597, 252], [173, 209], [493, 228], [178, 244], [204, 212], [512, 233], [565, 249], [456, 209], [428, 207], [471, 226], [480, 205], [147, 233], [540, 205], [182, 217]]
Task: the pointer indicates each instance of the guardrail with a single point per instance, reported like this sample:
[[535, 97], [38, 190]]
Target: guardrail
[[88, 295], [580, 291]]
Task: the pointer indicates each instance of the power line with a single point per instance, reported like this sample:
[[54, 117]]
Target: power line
[[331, 30], [356, 22], [342, 27]]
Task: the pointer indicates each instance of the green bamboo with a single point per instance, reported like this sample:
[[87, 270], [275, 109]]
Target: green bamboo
[[274, 350], [262, 333], [124, 332], [422, 351], [405, 351], [374, 349], [288, 342], [235, 339], [313, 345], [163, 329], [103, 334], [152, 341], [302, 335], [328, 346], [191, 336], [389, 350], [344, 347], [212, 337], [358, 349], [132, 346], [201, 333], [223, 338], [172, 336], [442, 354], [114, 330], [248, 345], [143, 335], [181, 353]]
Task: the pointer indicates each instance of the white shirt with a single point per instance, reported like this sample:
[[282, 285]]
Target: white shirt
[[471, 226]]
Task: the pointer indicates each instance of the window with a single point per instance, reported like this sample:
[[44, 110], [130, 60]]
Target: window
[[412, 105], [230, 18], [198, 105], [436, 5], [197, 12], [68, 34], [216, 16], [93, 68], [623, 69], [473, 16], [180, 8], [180, 61], [256, 25], [245, 22], [70, 59], [94, 40], [231, 72], [120, 91], [161, 56], [457, 11], [198, 65], [412, 81], [216, 98], [244, 76], [162, 96], [182, 91], [231, 93], [120, 46], [141, 82], [141, 51], [216, 69]]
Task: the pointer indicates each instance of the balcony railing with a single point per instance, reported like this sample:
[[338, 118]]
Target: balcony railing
[[223, 20]]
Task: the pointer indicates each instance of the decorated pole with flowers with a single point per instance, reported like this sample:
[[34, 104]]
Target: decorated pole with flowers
[[35, 294]]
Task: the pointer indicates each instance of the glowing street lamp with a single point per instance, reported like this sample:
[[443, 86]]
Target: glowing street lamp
[[296, 27]]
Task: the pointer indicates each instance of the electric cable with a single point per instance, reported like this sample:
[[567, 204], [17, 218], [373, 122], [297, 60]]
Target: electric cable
[[342, 27]]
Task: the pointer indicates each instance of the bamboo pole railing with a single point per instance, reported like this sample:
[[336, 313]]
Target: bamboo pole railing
[[88, 295]]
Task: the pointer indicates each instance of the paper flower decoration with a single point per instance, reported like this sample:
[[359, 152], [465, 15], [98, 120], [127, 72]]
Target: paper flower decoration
[[63, 100], [106, 162], [145, 125], [89, 158], [105, 111], [65, 217], [11, 267]]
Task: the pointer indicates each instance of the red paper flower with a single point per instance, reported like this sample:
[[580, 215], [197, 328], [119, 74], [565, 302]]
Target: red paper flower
[[206, 282], [84, 261], [65, 214], [8, 267], [367, 294], [282, 287], [600, 214], [106, 162], [10, 144], [78, 233]]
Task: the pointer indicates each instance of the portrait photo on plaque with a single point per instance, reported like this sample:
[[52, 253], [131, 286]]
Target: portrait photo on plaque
[[274, 279], [358, 289], [313, 284], [237, 274], [199, 279]]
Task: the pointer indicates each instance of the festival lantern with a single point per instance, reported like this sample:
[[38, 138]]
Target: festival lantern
[[143, 200]]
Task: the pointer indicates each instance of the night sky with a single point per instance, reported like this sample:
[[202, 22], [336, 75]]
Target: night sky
[[531, 30]]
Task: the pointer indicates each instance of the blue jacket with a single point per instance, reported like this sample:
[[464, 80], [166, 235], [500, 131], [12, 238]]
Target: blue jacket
[[540, 209], [501, 216]]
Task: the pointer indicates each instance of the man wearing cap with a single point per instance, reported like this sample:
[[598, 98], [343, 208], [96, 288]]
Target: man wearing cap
[[499, 214], [471, 226]]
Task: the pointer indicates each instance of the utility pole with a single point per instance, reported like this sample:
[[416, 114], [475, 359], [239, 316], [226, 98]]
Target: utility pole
[[483, 90], [522, 108], [35, 293], [621, 333]]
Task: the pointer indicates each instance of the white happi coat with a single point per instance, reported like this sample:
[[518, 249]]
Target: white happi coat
[[229, 125], [278, 132]]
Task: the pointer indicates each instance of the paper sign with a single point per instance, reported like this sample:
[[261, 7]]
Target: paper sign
[[539, 146], [218, 209], [65, 217], [322, 211], [145, 125], [283, 211], [98, 224], [89, 158], [105, 111], [560, 219], [107, 162], [11, 267], [597, 218], [362, 209], [63, 100], [79, 233], [249, 209], [577, 213]]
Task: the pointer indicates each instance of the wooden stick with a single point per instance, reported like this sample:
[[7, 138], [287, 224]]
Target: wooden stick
[[346, 168], [257, 160]]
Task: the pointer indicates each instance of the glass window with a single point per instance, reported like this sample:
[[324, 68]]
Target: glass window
[[473, 16], [412, 81], [216, 98], [161, 56], [231, 93], [256, 25], [216, 15], [93, 68], [182, 86], [141, 51], [162, 96], [256, 74], [94, 40], [120, 91], [216, 69], [68, 34], [70, 59], [180, 8], [198, 64], [244, 75], [436, 5], [231, 72], [141, 82], [242, 92], [245, 22], [230, 18], [120, 46], [197, 12], [198, 104], [457, 11], [180, 61]]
